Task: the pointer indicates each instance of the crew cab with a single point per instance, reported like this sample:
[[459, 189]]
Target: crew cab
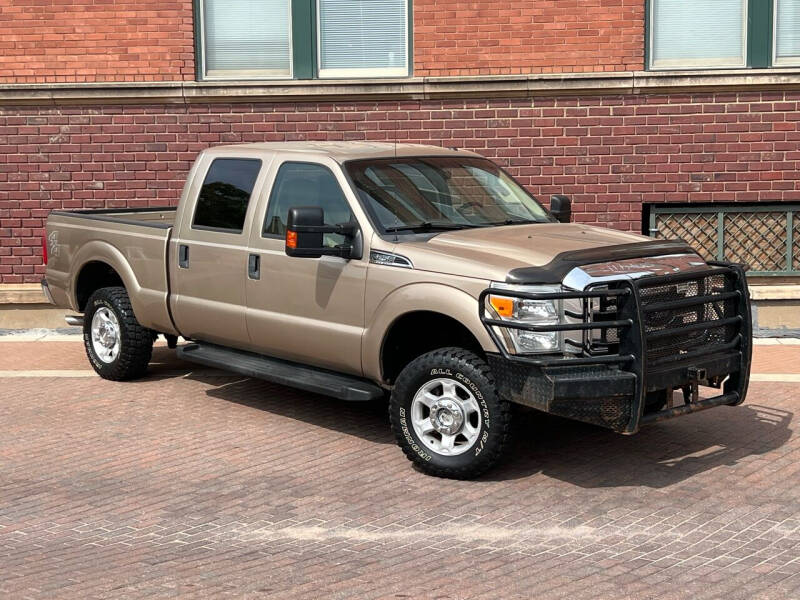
[[422, 274]]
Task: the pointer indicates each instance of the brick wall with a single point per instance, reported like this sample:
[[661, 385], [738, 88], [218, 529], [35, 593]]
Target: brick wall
[[95, 40], [47, 41], [483, 37], [609, 154]]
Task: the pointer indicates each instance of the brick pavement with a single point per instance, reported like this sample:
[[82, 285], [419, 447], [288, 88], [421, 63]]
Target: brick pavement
[[199, 485]]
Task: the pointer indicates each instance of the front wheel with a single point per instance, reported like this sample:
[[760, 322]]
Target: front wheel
[[117, 345], [447, 416]]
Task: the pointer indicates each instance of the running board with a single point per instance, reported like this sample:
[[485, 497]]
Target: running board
[[310, 379]]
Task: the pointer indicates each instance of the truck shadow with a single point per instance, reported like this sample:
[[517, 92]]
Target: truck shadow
[[366, 420], [590, 457], [660, 455]]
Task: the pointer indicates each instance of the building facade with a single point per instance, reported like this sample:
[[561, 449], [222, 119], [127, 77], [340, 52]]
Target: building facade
[[670, 117]]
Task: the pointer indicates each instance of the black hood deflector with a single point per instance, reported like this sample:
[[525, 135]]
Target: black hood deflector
[[557, 269]]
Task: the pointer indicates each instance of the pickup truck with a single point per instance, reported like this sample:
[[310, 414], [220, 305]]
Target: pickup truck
[[426, 275]]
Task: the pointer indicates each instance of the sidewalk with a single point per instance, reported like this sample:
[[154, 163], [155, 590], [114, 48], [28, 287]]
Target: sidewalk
[[774, 359]]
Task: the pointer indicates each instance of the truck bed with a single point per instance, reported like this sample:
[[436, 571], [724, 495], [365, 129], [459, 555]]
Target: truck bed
[[134, 242]]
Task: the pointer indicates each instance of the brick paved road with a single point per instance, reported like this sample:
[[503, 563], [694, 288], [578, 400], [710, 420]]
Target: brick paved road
[[198, 485]]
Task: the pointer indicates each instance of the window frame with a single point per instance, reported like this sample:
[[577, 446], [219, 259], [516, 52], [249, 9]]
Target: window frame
[[792, 61], [697, 63], [356, 73], [305, 49], [240, 74], [226, 230], [760, 43]]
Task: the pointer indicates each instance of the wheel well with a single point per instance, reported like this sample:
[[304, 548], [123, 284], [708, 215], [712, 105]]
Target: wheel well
[[416, 333], [93, 276]]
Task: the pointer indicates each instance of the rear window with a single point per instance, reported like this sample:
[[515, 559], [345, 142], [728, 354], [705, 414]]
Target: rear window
[[223, 199]]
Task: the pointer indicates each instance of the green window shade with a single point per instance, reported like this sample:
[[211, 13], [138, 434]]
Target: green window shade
[[698, 33], [363, 37], [248, 38], [787, 32]]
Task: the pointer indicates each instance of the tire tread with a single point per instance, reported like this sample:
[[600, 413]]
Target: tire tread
[[136, 343], [502, 416]]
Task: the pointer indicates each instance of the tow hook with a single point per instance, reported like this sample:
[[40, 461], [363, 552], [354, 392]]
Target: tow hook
[[691, 392]]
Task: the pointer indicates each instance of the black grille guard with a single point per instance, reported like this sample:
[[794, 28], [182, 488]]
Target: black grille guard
[[635, 341]]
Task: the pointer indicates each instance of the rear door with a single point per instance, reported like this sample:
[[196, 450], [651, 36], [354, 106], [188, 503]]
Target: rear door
[[209, 258]]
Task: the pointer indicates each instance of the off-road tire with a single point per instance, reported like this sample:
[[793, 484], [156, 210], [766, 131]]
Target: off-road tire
[[136, 342], [469, 370]]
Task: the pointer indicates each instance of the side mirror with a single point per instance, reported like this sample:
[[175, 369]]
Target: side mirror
[[561, 207], [305, 228]]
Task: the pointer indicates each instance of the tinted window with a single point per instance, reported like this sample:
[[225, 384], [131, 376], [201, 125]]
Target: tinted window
[[306, 184], [222, 202]]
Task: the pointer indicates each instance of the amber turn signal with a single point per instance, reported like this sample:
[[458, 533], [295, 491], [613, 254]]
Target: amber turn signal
[[503, 306], [291, 239]]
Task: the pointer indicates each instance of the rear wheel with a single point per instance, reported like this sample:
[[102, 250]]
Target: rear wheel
[[446, 414], [118, 347]]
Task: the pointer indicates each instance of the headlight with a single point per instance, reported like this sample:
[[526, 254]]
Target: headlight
[[529, 312]]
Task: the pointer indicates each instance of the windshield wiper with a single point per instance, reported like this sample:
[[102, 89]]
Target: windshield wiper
[[515, 222], [430, 226]]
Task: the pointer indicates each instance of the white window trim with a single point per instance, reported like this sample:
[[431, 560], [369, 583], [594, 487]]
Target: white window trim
[[242, 74], [691, 63], [788, 61], [356, 73]]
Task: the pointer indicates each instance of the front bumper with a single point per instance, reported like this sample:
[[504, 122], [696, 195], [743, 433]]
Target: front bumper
[[612, 388]]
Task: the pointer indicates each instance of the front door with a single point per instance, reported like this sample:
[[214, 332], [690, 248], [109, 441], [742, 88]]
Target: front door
[[309, 310], [209, 255]]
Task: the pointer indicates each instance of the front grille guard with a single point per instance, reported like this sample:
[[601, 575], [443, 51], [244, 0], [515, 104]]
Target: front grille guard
[[633, 339]]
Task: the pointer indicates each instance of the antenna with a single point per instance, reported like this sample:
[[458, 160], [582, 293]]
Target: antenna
[[395, 148]]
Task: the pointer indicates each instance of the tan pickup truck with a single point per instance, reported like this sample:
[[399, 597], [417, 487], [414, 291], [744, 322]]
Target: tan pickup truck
[[361, 270]]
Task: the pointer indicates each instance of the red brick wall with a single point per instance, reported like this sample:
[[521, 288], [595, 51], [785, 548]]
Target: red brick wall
[[609, 154], [103, 40], [95, 40], [483, 37]]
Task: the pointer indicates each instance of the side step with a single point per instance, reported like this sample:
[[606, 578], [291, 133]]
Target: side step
[[303, 377]]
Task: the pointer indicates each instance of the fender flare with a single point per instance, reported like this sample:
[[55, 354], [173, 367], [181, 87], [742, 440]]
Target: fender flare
[[103, 252], [440, 298]]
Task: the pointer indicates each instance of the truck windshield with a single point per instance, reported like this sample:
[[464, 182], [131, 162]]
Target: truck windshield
[[442, 192]]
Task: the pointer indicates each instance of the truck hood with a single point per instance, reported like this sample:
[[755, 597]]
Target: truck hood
[[492, 252]]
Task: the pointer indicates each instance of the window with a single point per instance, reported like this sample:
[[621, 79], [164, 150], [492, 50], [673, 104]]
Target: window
[[409, 194], [303, 39], [247, 38], [223, 199], [787, 32], [306, 184], [362, 37], [710, 34], [700, 33]]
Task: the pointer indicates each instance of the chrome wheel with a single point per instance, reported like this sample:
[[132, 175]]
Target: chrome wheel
[[105, 335], [446, 417]]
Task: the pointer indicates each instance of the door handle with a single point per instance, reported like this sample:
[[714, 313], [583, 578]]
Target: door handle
[[183, 256], [254, 266]]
